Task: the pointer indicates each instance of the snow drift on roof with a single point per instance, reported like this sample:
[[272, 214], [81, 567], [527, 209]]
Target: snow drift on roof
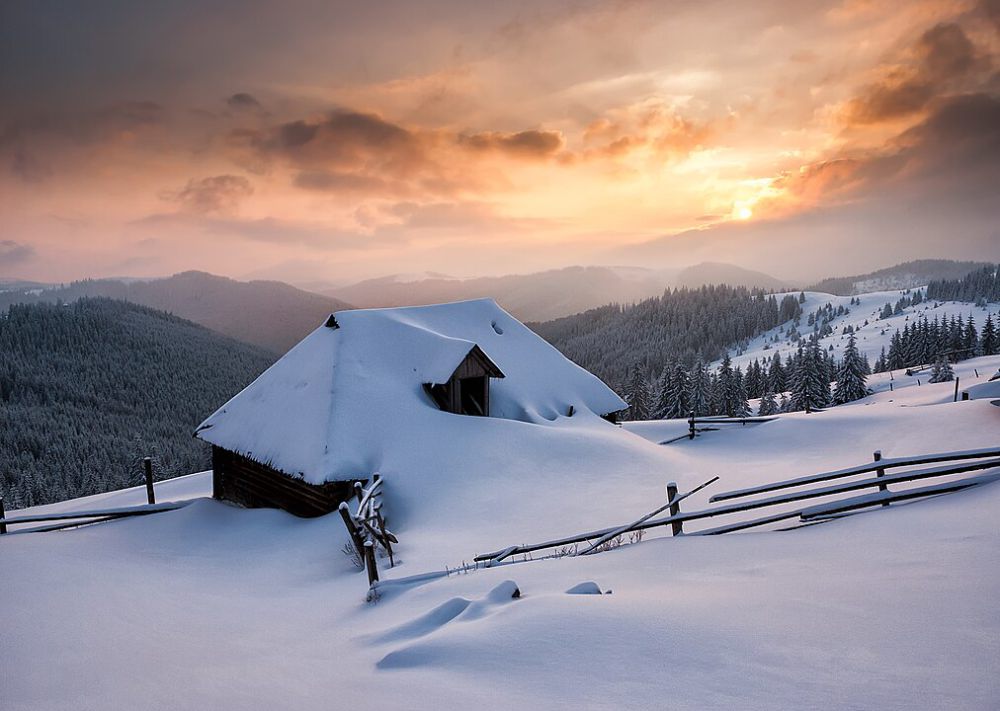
[[342, 398]]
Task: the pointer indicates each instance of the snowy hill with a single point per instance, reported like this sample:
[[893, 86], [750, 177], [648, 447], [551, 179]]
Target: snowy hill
[[213, 606], [872, 333]]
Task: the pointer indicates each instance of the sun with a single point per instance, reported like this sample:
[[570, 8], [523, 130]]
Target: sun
[[743, 212]]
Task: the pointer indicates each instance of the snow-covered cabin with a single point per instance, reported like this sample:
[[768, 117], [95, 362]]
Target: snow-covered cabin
[[369, 380]]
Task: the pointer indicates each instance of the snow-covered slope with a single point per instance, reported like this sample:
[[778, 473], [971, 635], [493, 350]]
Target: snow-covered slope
[[212, 606], [871, 337]]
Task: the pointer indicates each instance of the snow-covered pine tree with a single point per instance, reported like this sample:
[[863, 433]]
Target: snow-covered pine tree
[[679, 393], [726, 395], [661, 399], [637, 395], [812, 387], [850, 376], [942, 371], [882, 364], [660, 402], [741, 408], [988, 344], [768, 406], [700, 393]]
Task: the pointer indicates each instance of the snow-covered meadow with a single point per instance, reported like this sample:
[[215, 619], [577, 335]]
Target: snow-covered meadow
[[213, 606]]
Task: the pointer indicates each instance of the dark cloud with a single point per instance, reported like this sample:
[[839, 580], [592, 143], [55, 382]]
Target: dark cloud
[[941, 58], [242, 101], [890, 100], [328, 181], [991, 8], [945, 52], [218, 194], [348, 141], [13, 253], [523, 144]]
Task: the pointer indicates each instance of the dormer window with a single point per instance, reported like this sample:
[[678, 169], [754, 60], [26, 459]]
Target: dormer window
[[467, 391]]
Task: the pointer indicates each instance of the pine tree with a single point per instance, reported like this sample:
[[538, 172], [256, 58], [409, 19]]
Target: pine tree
[[679, 390], [768, 406], [942, 371], [700, 392], [741, 408], [726, 398], [988, 344], [850, 376], [661, 402], [637, 395], [811, 389]]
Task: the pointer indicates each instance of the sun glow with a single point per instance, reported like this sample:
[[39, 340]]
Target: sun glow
[[743, 212]]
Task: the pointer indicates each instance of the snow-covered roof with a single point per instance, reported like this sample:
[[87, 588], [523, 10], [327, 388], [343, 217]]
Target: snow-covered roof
[[332, 405]]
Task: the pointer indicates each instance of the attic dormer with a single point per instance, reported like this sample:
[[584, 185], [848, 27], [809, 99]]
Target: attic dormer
[[467, 391]]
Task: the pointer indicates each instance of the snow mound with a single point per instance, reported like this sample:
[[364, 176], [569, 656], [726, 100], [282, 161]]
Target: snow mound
[[586, 588], [335, 405]]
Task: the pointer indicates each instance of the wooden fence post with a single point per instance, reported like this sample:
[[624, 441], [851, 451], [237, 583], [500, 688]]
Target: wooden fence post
[[359, 490], [877, 456], [676, 527], [345, 513], [147, 464], [691, 426], [3, 523], [956, 388], [370, 563]]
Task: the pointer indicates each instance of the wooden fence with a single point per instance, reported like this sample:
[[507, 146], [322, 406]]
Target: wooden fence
[[960, 462], [709, 423], [367, 526], [84, 518]]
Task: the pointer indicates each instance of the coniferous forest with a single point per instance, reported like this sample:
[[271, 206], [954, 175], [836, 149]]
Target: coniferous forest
[[90, 388]]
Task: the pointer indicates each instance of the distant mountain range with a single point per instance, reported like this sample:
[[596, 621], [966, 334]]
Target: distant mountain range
[[269, 314], [542, 296], [902, 276]]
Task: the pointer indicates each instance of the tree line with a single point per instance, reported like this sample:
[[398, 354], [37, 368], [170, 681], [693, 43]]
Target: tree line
[[803, 381]]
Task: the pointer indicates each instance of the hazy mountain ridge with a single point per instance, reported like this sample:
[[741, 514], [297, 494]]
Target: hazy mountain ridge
[[542, 296], [270, 314]]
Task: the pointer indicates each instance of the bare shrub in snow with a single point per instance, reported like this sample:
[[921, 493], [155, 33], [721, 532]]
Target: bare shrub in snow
[[353, 555]]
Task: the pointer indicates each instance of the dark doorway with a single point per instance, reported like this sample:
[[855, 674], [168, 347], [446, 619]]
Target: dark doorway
[[475, 395]]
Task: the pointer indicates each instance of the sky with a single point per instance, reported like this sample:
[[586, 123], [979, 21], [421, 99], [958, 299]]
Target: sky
[[327, 141]]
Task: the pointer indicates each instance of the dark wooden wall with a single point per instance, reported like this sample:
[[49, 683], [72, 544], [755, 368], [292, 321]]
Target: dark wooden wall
[[243, 481]]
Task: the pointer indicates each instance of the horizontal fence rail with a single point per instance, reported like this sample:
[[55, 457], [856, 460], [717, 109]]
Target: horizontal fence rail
[[860, 469], [77, 518]]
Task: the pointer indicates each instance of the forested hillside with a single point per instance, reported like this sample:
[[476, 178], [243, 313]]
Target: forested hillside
[[269, 314], [89, 388], [902, 276], [681, 325]]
